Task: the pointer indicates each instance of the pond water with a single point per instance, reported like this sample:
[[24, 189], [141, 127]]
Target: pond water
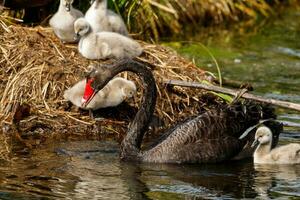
[[268, 57]]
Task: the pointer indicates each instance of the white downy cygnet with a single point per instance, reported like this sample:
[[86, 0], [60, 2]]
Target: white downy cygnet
[[287, 154], [63, 20], [102, 19], [103, 45], [114, 93]]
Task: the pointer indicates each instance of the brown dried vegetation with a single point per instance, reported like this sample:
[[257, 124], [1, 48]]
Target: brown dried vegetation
[[36, 68]]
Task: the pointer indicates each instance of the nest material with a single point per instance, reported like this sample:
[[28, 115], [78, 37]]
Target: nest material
[[36, 68]]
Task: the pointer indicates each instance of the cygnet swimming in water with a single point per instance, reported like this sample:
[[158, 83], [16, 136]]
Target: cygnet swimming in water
[[102, 19], [287, 154], [103, 45], [63, 20], [114, 93]]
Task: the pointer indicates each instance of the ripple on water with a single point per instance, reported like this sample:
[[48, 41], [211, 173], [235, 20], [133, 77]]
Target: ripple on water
[[291, 188], [277, 180], [187, 189]]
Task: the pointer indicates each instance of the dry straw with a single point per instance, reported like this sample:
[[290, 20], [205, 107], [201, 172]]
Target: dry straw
[[36, 68]]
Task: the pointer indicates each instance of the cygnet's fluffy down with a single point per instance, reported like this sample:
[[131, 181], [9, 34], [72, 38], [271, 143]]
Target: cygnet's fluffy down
[[102, 19], [114, 93], [287, 154], [103, 45], [63, 20]]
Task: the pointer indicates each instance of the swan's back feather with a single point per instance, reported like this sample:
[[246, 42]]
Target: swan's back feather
[[210, 137]]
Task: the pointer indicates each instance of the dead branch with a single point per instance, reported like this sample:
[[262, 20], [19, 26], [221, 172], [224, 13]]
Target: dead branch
[[233, 92]]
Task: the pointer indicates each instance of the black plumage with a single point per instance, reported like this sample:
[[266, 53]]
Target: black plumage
[[208, 138]]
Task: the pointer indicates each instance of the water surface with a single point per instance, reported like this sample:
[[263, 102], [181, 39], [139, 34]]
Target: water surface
[[92, 170]]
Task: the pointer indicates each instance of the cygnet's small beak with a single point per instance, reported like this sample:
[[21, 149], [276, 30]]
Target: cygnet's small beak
[[77, 36], [130, 96], [68, 7], [255, 142]]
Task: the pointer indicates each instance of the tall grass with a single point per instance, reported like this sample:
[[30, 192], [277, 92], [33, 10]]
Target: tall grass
[[153, 18]]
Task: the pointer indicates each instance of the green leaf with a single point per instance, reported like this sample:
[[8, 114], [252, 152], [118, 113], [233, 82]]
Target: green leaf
[[226, 97]]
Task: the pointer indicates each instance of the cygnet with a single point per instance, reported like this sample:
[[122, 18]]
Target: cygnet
[[287, 154], [103, 45], [114, 93], [102, 19], [63, 20]]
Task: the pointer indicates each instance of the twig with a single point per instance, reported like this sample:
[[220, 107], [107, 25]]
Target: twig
[[57, 50], [279, 103], [230, 83], [78, 120]]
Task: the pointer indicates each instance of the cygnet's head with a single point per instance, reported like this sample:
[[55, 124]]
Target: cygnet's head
[[129, 89], [263, 135], [67, 4], [81, 27]]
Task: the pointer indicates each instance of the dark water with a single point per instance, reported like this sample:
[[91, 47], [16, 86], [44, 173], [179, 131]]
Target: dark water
[[267, 56], [92, 170]]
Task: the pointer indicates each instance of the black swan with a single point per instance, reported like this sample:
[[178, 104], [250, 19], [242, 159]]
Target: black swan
[[207, 138]]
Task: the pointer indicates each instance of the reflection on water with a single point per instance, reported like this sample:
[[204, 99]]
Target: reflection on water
[[277, 180], [92, 170], [201, 181]]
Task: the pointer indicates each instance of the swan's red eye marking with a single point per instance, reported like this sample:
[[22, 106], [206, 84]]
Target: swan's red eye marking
[[89, 93]]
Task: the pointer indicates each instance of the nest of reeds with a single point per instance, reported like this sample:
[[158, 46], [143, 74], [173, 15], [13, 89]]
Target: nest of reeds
[[36, 69]]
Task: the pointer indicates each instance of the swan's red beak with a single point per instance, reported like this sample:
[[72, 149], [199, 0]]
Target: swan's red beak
[[89, 93]]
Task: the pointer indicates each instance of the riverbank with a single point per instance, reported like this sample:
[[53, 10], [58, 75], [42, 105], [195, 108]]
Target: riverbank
[[36, 68], [155, 19], [152, 19]]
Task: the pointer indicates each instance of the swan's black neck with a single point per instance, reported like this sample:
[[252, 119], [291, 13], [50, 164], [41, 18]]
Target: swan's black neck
[[131, 144]]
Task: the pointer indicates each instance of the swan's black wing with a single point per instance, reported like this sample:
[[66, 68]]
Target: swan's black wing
[[210, 137]]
